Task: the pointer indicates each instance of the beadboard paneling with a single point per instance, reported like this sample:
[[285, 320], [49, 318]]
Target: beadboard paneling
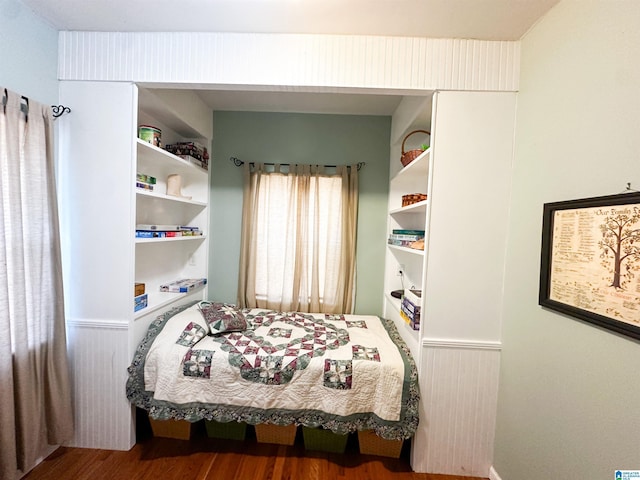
[[290, 61], [459, 388], [98, 353]]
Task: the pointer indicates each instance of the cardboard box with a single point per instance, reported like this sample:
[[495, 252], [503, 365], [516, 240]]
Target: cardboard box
[[138, 289]]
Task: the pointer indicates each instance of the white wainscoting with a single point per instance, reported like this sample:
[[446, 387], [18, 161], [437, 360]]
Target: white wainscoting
[[287, 61], [459, 388], [493, 475], [98, 353]]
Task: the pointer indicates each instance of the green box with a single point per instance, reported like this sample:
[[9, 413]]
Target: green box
[[324, 440], [228, 430]]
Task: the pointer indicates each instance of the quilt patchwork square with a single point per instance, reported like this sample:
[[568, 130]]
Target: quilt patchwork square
[[360, 352], [280, 332], [338, 374], [197, 363], [356, 323], [191, 334]]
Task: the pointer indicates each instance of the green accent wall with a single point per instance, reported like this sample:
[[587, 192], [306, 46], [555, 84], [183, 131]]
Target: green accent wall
[[305, 139], [28, 53]]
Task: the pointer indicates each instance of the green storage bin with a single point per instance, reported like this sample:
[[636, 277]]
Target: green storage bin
[[228, 430], [324, 440]]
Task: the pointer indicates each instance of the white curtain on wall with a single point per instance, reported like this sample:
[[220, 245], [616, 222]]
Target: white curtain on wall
[[35, 399], [298, 247]]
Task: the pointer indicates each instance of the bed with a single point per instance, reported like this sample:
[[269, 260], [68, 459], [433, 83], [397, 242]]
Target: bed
[[213, 361]]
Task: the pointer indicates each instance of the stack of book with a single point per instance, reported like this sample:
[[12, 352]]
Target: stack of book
[[192, 152], [410, 308], [404, 238], [183, 286], [140, 299], [166, 231], [146, 182]]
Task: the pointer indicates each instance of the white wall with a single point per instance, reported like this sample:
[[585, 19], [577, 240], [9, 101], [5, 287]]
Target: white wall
[[28, 53], [568, 403]]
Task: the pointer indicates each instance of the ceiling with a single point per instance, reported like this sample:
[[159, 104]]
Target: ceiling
[[468, 19]]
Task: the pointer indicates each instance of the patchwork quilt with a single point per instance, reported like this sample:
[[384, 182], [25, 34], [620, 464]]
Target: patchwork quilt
[[217, 362]]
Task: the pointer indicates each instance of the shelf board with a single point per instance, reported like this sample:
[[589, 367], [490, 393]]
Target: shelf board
[[412, 251], [147, 148], [170, 198], [158, 300], [418, 207], [417, 168], [186, 238]]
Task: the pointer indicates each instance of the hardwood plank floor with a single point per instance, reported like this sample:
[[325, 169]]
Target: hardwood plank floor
[[203, 458]]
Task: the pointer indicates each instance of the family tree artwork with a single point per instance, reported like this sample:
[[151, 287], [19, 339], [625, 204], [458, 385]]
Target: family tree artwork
[[591, 260]]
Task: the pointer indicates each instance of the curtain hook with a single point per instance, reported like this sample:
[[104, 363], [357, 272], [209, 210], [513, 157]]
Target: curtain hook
[[5, 100], [25, 108]]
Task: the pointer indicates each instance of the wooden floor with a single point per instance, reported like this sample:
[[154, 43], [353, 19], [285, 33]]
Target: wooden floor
[[203, 458]]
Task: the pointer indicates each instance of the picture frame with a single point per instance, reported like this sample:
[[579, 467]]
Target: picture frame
[[590, 261]]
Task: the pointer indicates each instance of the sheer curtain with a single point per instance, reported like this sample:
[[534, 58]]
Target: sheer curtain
[[35, 399], [298, 247]]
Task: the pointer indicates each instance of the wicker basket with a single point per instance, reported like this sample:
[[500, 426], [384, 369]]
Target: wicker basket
[[411, 155], [179, 429], [372, 444], [413, 198], [267, 433]]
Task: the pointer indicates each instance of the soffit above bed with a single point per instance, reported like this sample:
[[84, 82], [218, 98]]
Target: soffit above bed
[[470, 19]]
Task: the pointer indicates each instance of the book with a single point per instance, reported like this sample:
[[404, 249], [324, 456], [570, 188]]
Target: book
[[158, 228], [408, 232], [144, 186], [140, 302], [401, 236], [184, 285], [141, 177], [147, 234]]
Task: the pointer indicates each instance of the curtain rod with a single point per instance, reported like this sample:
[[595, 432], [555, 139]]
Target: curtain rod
[[58, 110], [237, 162]]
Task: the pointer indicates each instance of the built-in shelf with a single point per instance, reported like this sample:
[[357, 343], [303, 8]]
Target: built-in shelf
[[413, 251], [158, 300], [418, 207], [186, 238], [171, 198]]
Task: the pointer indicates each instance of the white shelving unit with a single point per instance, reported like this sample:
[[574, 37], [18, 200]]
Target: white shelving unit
[[466, 176], [410, 179], [100, 156]]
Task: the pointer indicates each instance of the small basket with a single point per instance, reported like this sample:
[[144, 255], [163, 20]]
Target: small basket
[[372, 444], [411, 155], [413, 198], [281, 435], [179, 429]]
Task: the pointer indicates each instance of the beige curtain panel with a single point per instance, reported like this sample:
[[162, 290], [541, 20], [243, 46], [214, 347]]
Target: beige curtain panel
[[35, 399], [298, 247]]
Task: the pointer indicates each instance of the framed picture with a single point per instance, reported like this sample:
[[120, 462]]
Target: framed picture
[[590, 262]]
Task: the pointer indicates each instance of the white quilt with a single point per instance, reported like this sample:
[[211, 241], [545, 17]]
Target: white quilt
[[313, 369]]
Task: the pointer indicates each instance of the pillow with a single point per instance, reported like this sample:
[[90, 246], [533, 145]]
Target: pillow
[[222, 317]]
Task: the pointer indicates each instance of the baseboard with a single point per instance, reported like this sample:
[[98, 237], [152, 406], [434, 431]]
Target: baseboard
[[493, 475]]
